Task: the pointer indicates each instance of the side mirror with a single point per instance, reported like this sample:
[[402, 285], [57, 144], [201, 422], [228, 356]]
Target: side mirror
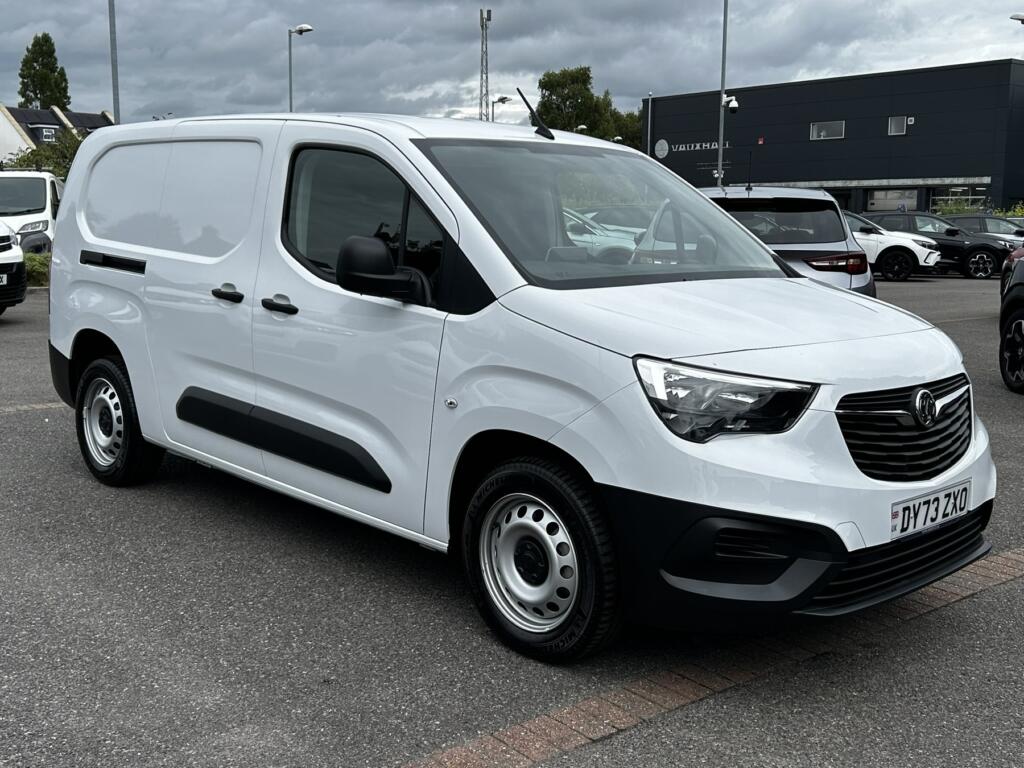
[[365, 266], [952, 231], [578, 228], [1019, 232], [867, 229]]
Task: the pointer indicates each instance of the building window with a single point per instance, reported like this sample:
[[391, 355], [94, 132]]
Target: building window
[[898, 125], [49, 135], [832, 129]]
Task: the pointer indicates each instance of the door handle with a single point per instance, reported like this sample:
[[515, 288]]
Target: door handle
[[284, 307], [227, 295]]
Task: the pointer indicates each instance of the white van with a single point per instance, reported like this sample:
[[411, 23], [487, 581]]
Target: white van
[[386, 317], [28, 204]]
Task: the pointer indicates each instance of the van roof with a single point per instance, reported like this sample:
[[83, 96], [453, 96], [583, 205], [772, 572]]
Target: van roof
[[392, 126], [24, 172], [740, 191]]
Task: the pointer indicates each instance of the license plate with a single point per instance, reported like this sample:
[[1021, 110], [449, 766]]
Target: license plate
[[3, 279], [929, 510]]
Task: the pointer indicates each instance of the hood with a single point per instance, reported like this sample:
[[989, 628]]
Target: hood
[[909, 236], [703, 317]]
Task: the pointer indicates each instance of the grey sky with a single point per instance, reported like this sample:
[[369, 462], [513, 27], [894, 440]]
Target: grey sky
[[227, 56]]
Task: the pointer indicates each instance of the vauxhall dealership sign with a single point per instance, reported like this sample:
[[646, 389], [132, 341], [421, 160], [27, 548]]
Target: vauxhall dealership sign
[[662, 147]]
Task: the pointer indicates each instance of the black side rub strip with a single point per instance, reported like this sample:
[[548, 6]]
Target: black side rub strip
[[283, 436], [97, 259]]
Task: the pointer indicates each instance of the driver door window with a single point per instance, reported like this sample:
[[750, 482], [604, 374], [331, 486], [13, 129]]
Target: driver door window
[[928, 224], [336, 194]]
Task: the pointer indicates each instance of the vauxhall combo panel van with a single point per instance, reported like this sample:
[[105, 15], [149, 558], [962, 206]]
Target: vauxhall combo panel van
[[387, 317]]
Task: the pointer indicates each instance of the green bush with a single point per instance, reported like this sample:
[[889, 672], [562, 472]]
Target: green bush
[[37, 266]]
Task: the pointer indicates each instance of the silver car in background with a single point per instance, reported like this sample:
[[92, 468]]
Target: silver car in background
[[805, 228]]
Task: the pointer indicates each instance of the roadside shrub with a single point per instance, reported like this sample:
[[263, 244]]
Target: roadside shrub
[[951, 207], [37, 267], [1017, 211]]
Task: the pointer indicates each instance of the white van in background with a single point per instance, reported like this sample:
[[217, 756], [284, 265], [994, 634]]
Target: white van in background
[[28, 205], [387, 317]]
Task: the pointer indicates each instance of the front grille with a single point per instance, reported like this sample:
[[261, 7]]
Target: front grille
[[6, 244], [887, 443], [15, 288], [890, 569]]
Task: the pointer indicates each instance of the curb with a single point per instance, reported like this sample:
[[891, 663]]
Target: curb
[[525, 744]]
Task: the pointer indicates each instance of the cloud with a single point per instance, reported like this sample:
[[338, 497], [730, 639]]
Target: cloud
[[229, 56]]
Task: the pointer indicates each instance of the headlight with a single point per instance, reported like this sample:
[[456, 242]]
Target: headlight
[[926, 244], [698, 404], [35, 226]]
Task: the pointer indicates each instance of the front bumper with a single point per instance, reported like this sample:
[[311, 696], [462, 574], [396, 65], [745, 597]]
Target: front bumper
[[930, 259], [16, 283], [682, 562]]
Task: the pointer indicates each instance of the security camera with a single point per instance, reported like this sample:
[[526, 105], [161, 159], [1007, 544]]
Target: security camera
[[732, 103]]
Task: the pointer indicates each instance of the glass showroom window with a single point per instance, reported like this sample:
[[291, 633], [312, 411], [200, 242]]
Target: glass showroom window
[[831, 129], [898, 125]]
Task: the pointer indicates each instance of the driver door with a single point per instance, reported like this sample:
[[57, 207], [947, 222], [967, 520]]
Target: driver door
[[345, 382]]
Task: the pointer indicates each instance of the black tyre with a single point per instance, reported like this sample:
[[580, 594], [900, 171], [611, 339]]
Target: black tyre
[[896, 265], [2, 310], [1011, 352], [107, 424], [539, 558], [979, 265]]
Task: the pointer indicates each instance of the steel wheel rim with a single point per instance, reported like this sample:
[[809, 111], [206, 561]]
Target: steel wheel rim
[[1013, 352], [102, 422], [528, 562], [981, 265]]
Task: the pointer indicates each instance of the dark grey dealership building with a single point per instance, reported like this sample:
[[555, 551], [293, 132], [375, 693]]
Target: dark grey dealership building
[[876, 142]]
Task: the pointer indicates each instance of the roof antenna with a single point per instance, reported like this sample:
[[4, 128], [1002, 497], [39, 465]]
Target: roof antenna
[[542, 130]]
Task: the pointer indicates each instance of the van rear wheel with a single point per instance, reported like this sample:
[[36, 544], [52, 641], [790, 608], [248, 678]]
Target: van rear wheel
[[538, 556], [107, 424]]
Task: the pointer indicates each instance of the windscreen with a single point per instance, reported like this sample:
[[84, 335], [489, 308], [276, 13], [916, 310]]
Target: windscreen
[[22, 195], [787, 221], [651, 226]]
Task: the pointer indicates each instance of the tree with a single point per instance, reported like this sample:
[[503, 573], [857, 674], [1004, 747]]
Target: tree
[[44, 83], [567, 101], [55, 157]]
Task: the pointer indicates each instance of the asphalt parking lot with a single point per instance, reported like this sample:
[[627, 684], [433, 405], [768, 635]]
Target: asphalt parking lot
[[201, 620]]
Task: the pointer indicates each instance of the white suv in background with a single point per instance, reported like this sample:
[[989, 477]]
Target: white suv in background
[[12, 269], [893, 254], [387, 317], [28, 204]]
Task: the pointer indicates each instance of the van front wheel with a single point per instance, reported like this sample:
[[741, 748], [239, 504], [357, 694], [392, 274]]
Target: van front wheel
[[540, 562], [107, 424]]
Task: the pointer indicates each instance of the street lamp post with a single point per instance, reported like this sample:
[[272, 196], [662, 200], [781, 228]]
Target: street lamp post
[[499, 100], [113, 60], [300, 30], [721, 95]]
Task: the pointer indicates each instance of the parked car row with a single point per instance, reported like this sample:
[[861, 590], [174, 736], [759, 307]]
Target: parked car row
[[974, 254]]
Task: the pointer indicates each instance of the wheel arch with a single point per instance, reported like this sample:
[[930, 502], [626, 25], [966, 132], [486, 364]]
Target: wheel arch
[[89, 344], [482, 453]]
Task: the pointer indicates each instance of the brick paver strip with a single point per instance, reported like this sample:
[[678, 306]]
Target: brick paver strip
[[705, 677], [659, 694], [637, 707], [496, 754], [525, 744], [559, 734]]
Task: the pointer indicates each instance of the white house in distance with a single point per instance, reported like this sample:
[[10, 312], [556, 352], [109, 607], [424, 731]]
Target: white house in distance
[[24, 129]]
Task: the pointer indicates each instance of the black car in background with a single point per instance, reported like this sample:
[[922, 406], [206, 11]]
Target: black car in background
[[974, 254], [993, 225], [1011, 331]]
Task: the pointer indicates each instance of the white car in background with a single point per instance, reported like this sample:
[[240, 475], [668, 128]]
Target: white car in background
[[893, 254], [12, 269]]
